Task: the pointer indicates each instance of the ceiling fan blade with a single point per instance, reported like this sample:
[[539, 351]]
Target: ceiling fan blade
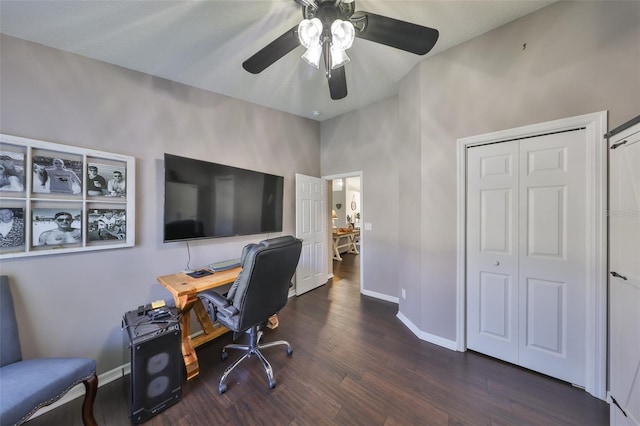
[[393, 32], [338, 84], [272, 51]]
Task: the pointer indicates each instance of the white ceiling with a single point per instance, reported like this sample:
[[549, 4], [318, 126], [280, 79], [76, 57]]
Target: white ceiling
[[203, 43]]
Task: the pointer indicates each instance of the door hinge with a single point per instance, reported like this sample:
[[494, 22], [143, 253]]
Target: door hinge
[[618, 405], [617, 275], [615, 145]]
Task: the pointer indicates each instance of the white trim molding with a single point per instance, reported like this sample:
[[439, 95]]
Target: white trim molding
[[380, 296], [436, 340], [595, 125]]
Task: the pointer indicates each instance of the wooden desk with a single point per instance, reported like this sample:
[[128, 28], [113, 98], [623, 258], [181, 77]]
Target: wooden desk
[[185, 293], [350, 243]]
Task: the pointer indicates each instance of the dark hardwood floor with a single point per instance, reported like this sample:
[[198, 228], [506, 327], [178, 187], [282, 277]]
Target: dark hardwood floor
[[354, 363]]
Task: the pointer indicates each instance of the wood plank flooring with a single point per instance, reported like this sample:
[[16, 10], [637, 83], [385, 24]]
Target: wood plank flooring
[[354, 363]]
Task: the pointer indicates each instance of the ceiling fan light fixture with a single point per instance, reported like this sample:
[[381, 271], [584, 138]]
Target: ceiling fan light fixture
[[312, 55], [328, 30], [338, 57], [342, 34], [309, 32]]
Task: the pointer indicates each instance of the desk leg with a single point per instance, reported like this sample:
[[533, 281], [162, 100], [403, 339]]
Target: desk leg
[[188, 352], [352, 245], [336, 251], [209, 330]]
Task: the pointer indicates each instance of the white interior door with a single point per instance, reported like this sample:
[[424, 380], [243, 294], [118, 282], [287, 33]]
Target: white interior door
[[552, 268], [311, 228], [526, 254], [492, 250], [624, 284]]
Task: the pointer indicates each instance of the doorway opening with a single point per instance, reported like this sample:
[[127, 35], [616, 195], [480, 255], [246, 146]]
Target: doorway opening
[[346, 210]]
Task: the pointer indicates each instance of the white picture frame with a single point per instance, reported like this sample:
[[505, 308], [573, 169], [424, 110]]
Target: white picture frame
[[53, 179]]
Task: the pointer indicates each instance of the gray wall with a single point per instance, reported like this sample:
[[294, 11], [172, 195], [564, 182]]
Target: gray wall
[[73, 303], [366, 141], [580, 57]]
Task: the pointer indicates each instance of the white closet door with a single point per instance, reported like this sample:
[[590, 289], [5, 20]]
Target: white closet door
[[553, 257], [526, 213], [624, 293], [492, 250]]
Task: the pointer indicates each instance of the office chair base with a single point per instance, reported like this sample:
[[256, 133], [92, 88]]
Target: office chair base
[[253, 348]]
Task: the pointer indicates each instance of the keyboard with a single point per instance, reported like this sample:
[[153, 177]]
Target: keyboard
[[224, 265]]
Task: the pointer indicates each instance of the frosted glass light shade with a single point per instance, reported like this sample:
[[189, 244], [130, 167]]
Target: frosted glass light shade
[[342, 34], [309, 32], [338, 57], [312, 55]]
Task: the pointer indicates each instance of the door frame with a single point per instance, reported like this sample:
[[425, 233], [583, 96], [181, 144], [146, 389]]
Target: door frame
[[596, 234], [357, 174]]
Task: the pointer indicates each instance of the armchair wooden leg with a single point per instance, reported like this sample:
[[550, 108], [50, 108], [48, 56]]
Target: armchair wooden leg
[[91, 389]]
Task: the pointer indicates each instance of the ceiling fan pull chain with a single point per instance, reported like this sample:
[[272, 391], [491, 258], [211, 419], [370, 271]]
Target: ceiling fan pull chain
[[326, 48]]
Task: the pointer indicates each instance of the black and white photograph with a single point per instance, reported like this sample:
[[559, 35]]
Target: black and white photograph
[[56, 227], [96, 183], [11, 171], [53, 175], [11, 228], [116, 183], [106, 224], [100, 177]]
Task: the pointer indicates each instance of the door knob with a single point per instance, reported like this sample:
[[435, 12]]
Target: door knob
[[496, 263]]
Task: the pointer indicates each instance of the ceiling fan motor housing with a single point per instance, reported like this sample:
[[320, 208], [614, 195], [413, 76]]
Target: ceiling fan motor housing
[[327, 11]]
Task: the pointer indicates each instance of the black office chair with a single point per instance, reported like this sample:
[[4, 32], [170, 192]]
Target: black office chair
[[260, 291]]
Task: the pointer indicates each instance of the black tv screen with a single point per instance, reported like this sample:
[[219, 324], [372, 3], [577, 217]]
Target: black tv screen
[[209, 200]]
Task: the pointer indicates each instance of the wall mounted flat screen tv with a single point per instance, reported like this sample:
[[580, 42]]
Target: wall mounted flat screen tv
[[209, 200]]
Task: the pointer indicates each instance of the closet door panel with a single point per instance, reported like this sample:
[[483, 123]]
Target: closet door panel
[[552, 292], [492, 251]]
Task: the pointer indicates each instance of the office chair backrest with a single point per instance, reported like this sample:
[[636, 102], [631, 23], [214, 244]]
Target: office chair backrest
[[262, 288], [9, 339]]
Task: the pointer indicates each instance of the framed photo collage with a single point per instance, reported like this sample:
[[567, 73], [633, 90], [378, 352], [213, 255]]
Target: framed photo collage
[[57, 198]]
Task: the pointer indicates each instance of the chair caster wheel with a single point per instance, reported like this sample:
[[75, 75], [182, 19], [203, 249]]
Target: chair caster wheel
[[222, 388], [272, 384], [289, 351], [224, 355]]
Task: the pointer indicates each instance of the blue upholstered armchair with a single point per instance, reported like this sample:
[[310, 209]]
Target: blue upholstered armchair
[[28, 385]]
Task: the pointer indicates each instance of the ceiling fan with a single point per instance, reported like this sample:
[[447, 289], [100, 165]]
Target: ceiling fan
[[328, 30]]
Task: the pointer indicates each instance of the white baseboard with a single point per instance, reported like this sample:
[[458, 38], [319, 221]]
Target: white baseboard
[[381, 296], [436, 340]]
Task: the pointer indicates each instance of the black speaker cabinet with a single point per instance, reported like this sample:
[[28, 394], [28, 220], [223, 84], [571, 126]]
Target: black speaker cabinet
[[156, 362]]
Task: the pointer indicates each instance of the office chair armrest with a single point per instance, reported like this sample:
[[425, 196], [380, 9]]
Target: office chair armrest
[[228, 311], [215, 298], [219, 303]]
